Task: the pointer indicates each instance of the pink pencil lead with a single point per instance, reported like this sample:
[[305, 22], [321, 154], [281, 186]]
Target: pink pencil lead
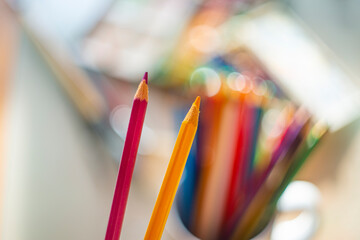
[[146, 77]]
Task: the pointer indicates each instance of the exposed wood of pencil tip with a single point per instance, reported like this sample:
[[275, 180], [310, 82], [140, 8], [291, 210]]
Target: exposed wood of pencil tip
[[193, 115], [142, 92]]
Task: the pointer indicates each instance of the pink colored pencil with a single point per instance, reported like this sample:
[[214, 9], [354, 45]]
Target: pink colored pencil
[[127, 164]]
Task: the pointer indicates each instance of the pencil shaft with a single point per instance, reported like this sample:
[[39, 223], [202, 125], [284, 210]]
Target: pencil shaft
[[208, 160], [234, 184], [258, 111], [219, 177], [170, 184], [126, 170], [173, 174]]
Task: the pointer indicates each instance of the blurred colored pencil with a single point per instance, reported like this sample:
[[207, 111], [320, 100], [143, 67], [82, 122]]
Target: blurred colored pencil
[[219, 177], [173, 173], [127, 163], [258, 113], [235, 181], [209, 140]]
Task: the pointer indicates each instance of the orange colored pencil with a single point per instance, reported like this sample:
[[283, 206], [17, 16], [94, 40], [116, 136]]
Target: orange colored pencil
[[173, 173], [127, 164]]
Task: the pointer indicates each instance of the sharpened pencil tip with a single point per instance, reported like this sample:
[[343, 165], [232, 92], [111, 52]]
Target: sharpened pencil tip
[[197, 102], [319, 129], [146, 77], [142, 91], [193, 115]]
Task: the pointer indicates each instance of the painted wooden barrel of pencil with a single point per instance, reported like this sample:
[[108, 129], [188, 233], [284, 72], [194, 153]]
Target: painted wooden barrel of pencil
[[251, 141]]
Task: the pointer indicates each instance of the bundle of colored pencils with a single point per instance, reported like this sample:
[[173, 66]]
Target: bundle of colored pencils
[[249, 146]]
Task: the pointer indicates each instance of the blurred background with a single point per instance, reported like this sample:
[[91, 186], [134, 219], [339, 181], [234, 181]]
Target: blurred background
[[69, 71]]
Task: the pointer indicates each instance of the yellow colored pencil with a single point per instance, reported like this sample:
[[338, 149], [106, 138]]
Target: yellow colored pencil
[[173, 173]]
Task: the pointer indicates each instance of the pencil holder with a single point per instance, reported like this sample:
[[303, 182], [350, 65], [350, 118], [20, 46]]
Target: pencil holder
[[250, 143]]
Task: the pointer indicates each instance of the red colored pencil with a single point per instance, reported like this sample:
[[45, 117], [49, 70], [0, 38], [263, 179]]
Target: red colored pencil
[[235, 178], [127, 164]]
